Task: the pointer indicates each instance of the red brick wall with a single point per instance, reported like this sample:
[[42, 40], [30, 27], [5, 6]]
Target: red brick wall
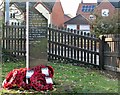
[[98, 9], [105, 5], [57, 15], [85, 14]]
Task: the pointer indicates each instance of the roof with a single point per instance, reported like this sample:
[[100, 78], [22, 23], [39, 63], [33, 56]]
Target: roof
[[68, 15], [79, 20], [115, 3], [81, 5], [22, 5], [49, 5]]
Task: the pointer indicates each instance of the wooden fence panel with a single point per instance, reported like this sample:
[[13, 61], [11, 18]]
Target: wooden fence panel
[[112, 52], [74, 46], [63, 44], [14, 40]]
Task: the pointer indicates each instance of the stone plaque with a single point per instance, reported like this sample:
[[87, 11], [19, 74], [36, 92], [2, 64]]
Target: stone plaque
[[37, 38], [38, 52]]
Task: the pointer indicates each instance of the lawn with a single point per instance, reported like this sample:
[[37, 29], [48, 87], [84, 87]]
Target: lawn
[[69, 79]]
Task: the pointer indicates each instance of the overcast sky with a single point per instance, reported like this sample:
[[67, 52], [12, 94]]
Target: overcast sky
[[70, 6]]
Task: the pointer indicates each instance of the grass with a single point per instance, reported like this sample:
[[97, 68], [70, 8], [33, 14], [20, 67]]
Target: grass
[[69, 79]]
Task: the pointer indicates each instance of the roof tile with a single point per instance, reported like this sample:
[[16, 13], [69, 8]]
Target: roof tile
[[79, 20]]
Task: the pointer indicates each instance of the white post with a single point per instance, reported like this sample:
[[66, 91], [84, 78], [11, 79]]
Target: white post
[[7, 12], [27, 34]]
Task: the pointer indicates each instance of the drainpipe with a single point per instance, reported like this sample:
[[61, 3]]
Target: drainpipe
[[27, 36]]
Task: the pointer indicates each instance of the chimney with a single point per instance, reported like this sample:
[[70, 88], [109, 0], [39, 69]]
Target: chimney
[[81, 1]]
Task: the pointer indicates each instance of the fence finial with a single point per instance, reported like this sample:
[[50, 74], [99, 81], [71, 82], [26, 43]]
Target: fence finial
[[81, 32], [75, 31], [18, 23], [50, 25], [102, 37], [84, 33], [88, 34]]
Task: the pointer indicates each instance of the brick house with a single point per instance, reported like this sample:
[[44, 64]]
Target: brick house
[[18, 14], [50, 11], [86, 9], [53, 11], [101, 8], [78, 23], [105, 8]]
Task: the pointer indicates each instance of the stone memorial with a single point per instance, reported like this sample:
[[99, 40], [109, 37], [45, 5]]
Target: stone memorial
[[37, 39]]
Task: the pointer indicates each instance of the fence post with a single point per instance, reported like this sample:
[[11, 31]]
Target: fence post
[[101, 52], [118, 49]]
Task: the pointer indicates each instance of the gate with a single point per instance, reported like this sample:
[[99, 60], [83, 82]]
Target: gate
[[74, 46], [112, 52]]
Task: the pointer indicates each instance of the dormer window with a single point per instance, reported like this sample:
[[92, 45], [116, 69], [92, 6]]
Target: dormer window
[[88, 8]]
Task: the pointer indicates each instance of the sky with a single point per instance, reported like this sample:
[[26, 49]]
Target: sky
[[70, 6]]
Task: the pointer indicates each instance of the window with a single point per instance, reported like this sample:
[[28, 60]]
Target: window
[[12, 15], [88, 8]]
